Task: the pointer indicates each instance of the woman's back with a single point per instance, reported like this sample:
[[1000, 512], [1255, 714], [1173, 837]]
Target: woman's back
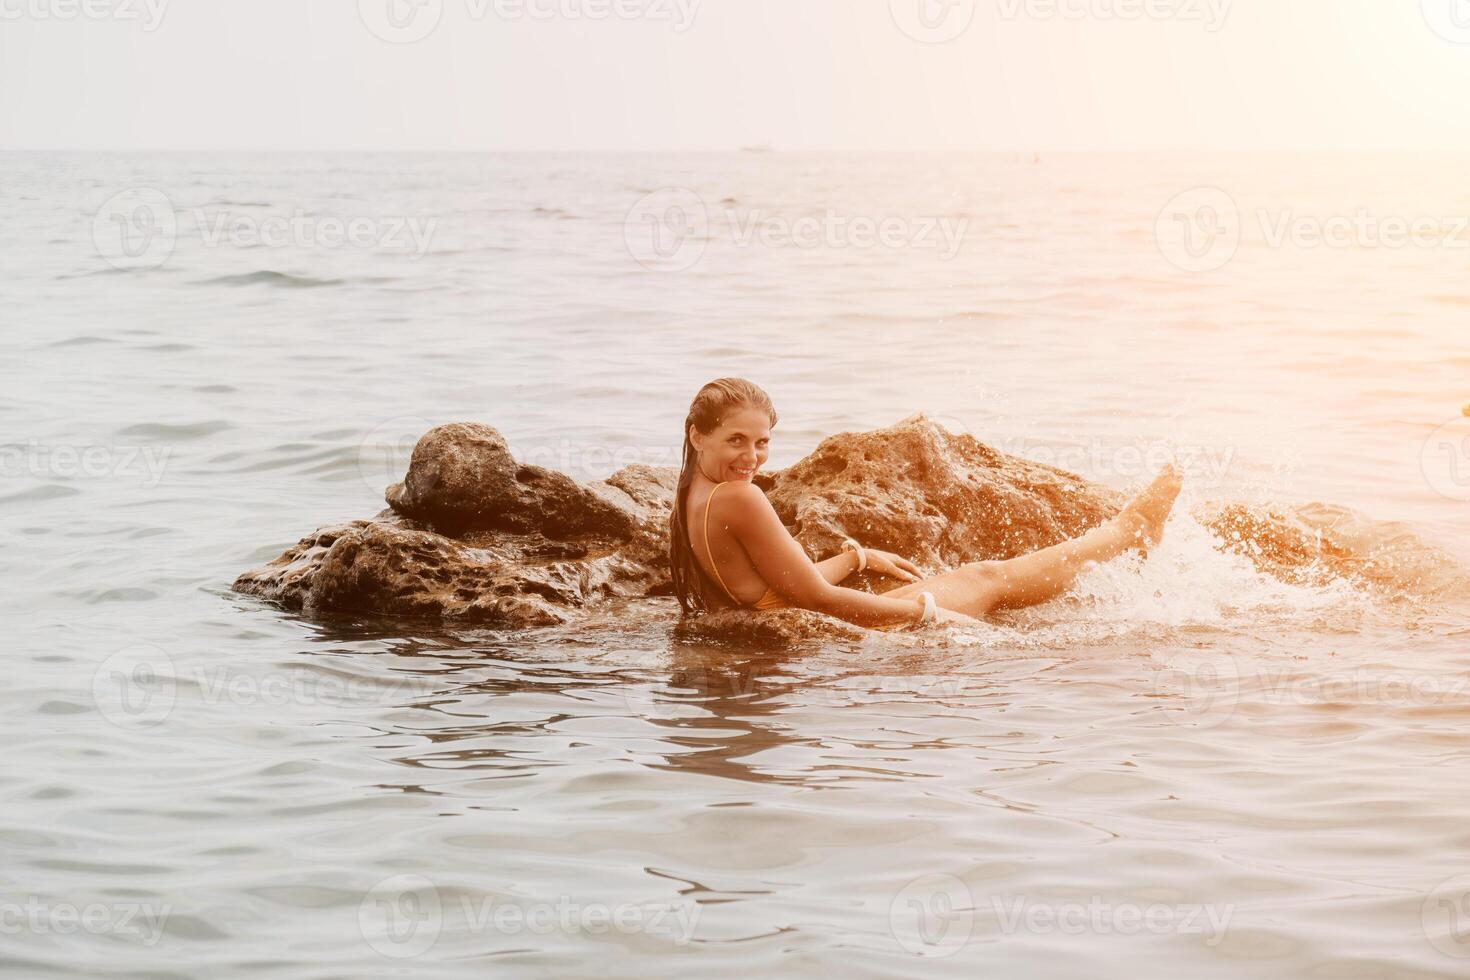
[[703, 518]]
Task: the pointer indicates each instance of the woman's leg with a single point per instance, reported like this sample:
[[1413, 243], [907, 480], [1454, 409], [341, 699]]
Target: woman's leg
[[978, 587]]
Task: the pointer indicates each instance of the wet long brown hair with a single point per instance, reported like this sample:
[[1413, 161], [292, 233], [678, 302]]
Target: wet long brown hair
[[706, 412]]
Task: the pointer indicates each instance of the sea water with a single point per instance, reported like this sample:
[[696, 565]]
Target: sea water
[[1183, 768]]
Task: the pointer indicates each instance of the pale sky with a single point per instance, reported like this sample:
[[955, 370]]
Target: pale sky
[[718, 74]]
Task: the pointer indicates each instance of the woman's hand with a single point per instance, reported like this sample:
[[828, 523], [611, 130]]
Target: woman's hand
[[890, 564]]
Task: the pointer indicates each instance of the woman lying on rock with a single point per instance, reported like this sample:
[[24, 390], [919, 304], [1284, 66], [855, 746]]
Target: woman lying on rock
[[728, 546]]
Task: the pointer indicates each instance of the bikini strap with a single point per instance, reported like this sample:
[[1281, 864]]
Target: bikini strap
[[712, 563]]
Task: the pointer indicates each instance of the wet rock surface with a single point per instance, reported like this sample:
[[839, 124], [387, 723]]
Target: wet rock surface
[[534, 565], [473, 537], [770, 627], [937, 498], [463, 479], [1316, 543]]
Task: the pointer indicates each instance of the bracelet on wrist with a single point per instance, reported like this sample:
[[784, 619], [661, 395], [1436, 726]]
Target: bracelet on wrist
[[862, 554], [929, 614]]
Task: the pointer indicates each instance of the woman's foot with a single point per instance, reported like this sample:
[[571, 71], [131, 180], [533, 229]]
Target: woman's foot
[[1143, 517]]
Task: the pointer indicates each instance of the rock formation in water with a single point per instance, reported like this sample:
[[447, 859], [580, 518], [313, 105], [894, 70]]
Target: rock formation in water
[[473, 537]]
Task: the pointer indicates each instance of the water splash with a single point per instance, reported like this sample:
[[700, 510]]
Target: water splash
[[1188, 583]]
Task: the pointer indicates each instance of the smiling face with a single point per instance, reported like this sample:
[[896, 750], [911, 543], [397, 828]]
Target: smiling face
[[737, 447]]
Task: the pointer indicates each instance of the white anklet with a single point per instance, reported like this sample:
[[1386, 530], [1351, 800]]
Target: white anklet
[[929, 613], [851, 545]]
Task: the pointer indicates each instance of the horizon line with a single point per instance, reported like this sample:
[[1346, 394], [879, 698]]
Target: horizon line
[[753, 150]]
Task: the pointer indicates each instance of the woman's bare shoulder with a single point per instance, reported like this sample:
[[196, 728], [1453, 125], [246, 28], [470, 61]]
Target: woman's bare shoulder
[[744, 502], [745, 492]]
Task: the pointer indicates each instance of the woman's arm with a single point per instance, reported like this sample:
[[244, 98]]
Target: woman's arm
[[837, 568], [787, 569]]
